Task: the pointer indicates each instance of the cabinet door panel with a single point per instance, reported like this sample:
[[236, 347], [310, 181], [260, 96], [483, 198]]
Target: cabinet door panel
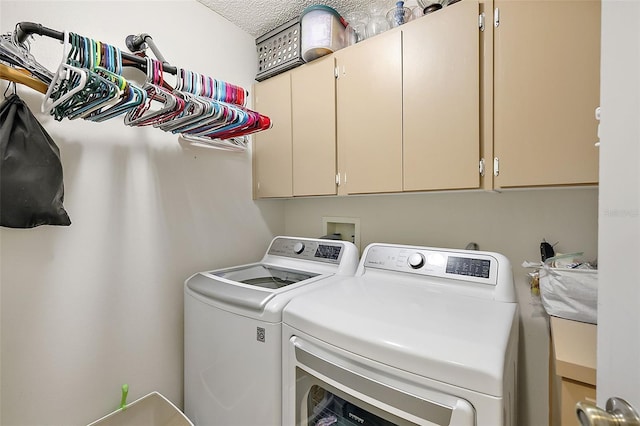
[[272, 148], [441, 90], [369, 107], [547, 79], [313, 98], [571, 393]]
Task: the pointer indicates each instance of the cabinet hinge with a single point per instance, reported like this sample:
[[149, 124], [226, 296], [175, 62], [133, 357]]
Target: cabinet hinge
[[481, 167], [481, 21], [496, 166], [496, 17], [338, 178]]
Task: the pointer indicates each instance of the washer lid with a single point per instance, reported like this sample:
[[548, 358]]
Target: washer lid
[[452, 338], [249, 287]]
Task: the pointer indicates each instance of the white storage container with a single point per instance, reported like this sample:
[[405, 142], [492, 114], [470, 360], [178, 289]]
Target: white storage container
[[322, 32]]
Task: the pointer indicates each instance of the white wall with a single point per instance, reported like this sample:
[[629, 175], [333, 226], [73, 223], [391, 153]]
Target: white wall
[[512, 223], [89, 307]]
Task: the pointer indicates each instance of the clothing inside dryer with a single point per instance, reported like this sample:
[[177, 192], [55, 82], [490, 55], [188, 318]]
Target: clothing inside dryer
[[326, 409]]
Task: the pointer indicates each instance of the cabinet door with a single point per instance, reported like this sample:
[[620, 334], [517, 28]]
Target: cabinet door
[[573, 392], [546, 87], [369, 110], [313, 98], [441, 89], [272, 148]]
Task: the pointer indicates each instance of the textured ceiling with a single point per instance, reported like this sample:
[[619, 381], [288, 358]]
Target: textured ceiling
[[257, 17]]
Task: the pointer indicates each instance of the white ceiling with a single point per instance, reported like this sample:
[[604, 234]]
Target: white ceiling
[[257, 17]]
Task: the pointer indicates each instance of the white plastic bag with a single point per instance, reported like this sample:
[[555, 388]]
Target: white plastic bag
[[570, 293]]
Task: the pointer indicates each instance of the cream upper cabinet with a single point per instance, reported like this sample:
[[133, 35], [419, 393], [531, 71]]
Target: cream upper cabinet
[[441, 98], [272, 149], [313, 100], [369, 111], [546, 89]]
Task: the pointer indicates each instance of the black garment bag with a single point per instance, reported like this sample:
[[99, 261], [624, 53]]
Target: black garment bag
[[31, 186]]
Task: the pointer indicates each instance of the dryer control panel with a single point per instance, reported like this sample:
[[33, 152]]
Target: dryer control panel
[[480, 273], [480, 267]]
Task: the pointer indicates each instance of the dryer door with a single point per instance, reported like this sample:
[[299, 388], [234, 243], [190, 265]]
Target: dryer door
[[332, 387]]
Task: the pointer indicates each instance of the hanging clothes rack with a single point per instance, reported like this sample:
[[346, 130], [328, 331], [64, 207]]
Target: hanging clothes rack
[[89, 84]]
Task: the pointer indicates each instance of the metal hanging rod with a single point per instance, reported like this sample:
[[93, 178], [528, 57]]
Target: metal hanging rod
[[25, 29]]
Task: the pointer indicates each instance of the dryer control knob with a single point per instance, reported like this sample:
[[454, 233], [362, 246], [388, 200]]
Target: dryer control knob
[[416, 260], [298, 248]]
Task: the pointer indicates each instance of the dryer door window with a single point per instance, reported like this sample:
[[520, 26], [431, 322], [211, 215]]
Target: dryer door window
[[334, 387], [326, 408]]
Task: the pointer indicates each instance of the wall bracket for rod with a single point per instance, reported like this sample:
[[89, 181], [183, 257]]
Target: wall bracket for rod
[[25, 29], [138, 43]]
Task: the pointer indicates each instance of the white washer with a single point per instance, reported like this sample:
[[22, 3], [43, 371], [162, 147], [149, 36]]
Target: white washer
[[233, 330], [419, 335]]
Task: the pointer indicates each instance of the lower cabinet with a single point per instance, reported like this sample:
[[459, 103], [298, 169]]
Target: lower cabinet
[[573, 352], [572, 392]]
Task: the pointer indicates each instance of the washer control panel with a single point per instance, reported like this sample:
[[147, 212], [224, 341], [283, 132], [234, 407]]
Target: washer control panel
[[320, 251], [466, 265]]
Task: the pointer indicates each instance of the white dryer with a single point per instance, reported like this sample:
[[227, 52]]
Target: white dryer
[[419, 336], [233, 331]]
